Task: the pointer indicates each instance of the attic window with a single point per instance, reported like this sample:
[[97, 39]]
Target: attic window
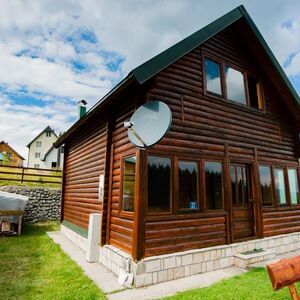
[[255, 95], [213, 77], [235, 85], [230, 83], [48, 134]]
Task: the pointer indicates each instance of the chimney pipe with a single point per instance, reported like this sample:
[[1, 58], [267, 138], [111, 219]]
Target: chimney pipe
[[81, 108]]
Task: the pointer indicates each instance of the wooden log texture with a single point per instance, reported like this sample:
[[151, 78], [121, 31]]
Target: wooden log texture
[[284, 272]]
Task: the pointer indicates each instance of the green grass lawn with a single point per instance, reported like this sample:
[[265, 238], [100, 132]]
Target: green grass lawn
[[253, 285], [34, 267]]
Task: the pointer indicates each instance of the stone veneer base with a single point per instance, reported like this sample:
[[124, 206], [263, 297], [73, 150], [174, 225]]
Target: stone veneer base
[[155, 269]]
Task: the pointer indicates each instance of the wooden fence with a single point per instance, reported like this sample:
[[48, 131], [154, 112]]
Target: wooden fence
[[32, 175]]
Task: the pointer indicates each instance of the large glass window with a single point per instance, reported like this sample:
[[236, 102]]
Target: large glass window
[[279, 186], [235, 85], [213, 185], [266, 185], [159, 184], [188, 187], [213, 76], [294, 187], [128, 183]]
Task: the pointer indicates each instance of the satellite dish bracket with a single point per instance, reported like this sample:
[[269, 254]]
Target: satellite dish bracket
[[137, 136]]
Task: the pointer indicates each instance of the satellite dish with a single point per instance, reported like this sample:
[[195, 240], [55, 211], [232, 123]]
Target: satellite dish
[[149, 124]]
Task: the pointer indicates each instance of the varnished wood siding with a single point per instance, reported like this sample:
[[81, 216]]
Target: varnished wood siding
[[281, 221], [174, 235], [201, 127], [85, 160], [121, 225]]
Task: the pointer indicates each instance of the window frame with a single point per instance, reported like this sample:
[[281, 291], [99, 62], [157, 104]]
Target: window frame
[[203, 183], [289, 190], [272, 186], [172, 158], [207, 92], [124, 213], [224, 95], [179, 210], [287, 197], [275, 203]]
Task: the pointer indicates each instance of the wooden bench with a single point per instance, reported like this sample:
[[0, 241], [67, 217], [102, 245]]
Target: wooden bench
[[284, 273]]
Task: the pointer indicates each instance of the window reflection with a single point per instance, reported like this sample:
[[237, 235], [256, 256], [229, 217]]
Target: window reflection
[[213, 77], [293, 184], [128, 183], [188, 185], [159, 178], [266, 185], [235, 85], [279, 186], [213, 185]]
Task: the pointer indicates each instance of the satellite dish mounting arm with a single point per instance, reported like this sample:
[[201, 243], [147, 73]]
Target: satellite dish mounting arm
[[129, 125]]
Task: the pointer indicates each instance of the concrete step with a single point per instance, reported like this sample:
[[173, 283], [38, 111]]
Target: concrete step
[[243, 260], [262, 264]]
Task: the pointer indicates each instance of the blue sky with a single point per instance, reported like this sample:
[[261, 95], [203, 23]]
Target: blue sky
[[55, 53]]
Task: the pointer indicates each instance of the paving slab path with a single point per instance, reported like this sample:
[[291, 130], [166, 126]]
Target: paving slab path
[[108, 282]]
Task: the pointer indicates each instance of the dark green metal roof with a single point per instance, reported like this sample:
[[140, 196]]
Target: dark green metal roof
[[159, 62]]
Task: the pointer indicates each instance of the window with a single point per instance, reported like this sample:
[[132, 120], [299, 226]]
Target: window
[[255, 94], [294, 187], [53, 165], [48, 134], [62, 149], [38, 144], [213, 77], [9, 154], [128, 184], [239, 185], [188, 185], [279, 186], [37, 166], [230, 84], [213, 185], [266, 185], [159, 184], [37, 154], [235, 85]]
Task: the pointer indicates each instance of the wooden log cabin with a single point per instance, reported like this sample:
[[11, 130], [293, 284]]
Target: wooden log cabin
[[226, 172]]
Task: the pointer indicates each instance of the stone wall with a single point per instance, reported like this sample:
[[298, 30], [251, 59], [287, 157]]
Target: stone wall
[[43, 204]]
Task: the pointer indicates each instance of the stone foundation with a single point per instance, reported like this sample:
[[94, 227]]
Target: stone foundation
[[167, 267]]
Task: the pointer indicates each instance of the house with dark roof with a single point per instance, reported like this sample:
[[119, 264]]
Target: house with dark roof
[[42, 154], [223, 181], [10, 156]]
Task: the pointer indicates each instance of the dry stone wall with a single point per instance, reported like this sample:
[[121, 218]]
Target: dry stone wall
[[44, 203]]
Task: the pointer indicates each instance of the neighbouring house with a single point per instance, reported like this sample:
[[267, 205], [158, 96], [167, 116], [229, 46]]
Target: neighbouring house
[[232, 151], [3, 159], [14, 158], [42, 154]]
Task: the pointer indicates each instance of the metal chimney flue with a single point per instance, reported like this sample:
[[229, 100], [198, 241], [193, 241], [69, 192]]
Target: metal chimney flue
[[81, 108]]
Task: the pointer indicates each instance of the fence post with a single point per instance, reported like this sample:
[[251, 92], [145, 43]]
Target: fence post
[[22, 178]]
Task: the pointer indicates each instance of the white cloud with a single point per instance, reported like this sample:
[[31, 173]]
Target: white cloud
[[46, 36]]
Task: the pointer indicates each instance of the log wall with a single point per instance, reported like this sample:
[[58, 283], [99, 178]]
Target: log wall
[[85, 160], [202, 127]]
